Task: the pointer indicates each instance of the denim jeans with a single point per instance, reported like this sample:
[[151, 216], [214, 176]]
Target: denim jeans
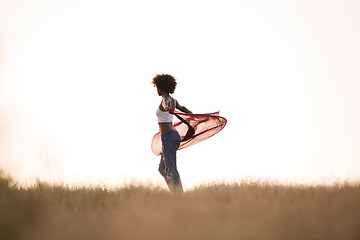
[[167, 167]]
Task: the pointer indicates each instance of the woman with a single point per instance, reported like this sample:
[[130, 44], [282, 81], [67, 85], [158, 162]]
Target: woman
[[170, 138]]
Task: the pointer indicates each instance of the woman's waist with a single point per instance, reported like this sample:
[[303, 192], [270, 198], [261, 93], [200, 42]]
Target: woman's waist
[[170, 135], [166, 127], [165, 123]]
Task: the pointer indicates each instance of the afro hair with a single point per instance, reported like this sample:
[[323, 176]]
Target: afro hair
[[165, 82]]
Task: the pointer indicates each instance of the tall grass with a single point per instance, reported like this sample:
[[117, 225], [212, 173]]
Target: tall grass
[[247, 210]]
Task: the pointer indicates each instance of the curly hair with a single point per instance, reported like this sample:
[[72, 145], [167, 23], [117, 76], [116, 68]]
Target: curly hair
[[165, 82]]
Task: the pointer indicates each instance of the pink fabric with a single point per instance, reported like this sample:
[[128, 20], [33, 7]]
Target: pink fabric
[[193, 128]]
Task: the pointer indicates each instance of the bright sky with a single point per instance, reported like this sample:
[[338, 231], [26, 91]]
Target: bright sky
[[77, 106]]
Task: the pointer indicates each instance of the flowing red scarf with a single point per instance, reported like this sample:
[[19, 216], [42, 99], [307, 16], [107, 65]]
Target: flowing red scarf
[[193, 128]]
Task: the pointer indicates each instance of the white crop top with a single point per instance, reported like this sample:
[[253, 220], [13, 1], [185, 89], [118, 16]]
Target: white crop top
[[164, 116]]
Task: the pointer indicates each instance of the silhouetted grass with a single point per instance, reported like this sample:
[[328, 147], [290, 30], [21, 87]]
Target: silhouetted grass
[[247, 210]]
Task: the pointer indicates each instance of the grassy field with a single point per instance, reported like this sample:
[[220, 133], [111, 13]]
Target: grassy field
[[247, 210]]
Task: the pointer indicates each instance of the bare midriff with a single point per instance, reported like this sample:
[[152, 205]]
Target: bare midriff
[[166, 127]]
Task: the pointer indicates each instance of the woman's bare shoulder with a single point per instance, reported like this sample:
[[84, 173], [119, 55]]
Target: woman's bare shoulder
[[169, 102]]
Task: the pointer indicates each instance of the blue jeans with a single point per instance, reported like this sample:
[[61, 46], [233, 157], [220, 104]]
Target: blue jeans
[[167, 167]]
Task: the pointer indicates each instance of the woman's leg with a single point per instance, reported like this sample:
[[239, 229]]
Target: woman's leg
[[167, 166], [162, 169]]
